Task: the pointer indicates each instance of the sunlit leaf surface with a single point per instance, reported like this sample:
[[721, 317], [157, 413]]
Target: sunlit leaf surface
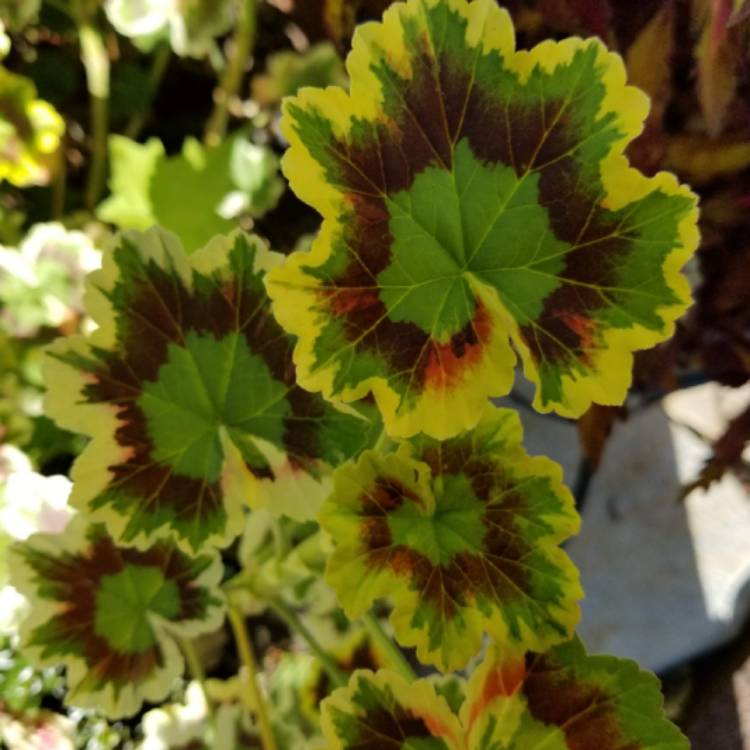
[[477, 205], [559, 700], [565, 700], [462, 536], [107, 612], [188, 391], [381, 710]]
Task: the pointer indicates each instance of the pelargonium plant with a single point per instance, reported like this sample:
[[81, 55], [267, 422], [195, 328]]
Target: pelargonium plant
[[333, 409]]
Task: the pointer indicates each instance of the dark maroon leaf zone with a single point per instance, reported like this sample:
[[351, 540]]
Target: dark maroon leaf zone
[[462, 455], [492, 574], [406, 347], [247, 741], [384, 722], [584, 711], [397, 725], [73, 580], [362, 657], [154, 308], [455, 93], [421, 360], [371, 167]]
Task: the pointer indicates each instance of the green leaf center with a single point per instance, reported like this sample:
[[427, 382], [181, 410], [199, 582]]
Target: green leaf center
[[477, 222], [206, 385], [123, 604], [455, 526]]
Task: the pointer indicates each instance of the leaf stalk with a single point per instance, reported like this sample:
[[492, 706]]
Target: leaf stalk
[[196, 671], [253, 697], [292, 619], [159, 65], [241, 47], [390, 650], [96, 64]]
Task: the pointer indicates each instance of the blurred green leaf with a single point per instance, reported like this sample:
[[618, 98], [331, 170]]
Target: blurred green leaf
[[16, 14], [196, 194], [22, 688], [288, 71], [30, 132]]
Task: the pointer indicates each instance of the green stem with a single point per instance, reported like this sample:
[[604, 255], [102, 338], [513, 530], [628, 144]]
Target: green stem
[[240, 50], [96, 63], [253, 698], [311, 552], [159, 65], [280, 541], [98, 169], [295, 624], [383, 443], [196, 671], [390, 650], [59, 184], [290, 617]]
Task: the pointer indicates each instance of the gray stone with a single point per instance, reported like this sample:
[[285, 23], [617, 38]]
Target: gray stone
[[665, 581], [708, 409]]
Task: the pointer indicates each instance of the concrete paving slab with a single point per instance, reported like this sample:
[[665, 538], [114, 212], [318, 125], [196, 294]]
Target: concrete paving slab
[[664, 581]]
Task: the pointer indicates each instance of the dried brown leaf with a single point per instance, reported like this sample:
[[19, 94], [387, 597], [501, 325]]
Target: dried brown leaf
[[578, 16], [701, 160], [649, 59], [727, 456], [717, 56], [594, 430]]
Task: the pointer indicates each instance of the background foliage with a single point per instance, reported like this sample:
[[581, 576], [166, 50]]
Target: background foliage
[[118, 115]]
